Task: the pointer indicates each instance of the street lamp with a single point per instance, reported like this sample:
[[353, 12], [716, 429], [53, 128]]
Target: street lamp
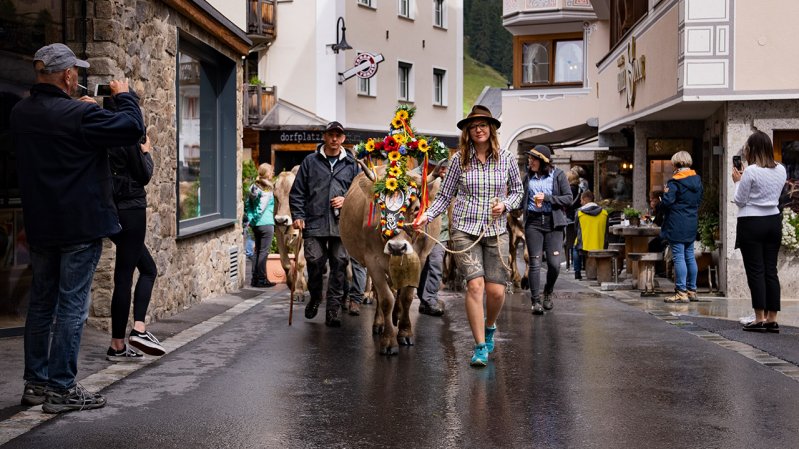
[[341, 44]]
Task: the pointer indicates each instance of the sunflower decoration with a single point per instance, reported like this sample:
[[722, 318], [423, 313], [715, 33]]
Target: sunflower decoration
[[391, 184], [396, 188]]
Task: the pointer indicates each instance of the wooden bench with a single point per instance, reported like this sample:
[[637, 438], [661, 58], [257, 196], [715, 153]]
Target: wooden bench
[[601, 265], [646, 271]]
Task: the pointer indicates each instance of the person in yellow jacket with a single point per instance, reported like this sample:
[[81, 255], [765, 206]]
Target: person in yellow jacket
[[591, 223]]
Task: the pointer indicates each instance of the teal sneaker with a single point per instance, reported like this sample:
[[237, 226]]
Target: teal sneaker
[[480, 357], [490, 338]]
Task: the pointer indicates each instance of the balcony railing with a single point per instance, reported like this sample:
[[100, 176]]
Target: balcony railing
[[532, 12], [261, 20], [260, 100]]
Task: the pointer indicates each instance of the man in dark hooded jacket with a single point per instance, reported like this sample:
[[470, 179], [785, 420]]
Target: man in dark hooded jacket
[[315, 200], [680, 202]]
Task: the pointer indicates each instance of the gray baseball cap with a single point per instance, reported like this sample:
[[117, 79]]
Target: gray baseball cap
[[58, 57]]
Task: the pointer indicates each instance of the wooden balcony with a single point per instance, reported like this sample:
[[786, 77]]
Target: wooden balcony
[[538, 12], [262, 21], [259, 101]]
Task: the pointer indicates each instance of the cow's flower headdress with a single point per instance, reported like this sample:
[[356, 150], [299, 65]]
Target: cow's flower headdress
[[396, 190]]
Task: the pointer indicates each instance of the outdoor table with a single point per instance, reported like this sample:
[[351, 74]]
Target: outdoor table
[[636, 240]]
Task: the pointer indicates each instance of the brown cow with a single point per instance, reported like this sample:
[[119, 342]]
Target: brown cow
[[287, 236], [394, 263]]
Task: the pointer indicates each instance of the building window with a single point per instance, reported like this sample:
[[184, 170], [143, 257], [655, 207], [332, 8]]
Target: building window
[[369, 3], [548, 61], [207, 119], [405, 82], [438, 13], [366, 86], [624, 14], [439, 87], [404, 8]]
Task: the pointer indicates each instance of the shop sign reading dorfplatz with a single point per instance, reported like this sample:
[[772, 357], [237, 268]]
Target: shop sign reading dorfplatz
[[631, 71]]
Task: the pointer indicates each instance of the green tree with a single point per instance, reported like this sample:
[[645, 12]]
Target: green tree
[[486, 39]]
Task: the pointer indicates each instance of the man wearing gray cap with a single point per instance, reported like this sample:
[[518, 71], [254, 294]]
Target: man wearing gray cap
[[68, 208]]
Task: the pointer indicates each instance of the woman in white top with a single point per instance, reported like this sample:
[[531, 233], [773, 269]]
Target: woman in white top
[[759, 230]]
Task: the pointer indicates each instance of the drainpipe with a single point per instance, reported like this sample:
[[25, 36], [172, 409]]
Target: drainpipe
[[84, 37]]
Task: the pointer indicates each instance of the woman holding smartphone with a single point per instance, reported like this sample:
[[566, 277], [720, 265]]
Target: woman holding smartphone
[[759, 228]]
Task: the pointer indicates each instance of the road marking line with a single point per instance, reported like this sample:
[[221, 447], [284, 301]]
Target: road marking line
[[27, 419]]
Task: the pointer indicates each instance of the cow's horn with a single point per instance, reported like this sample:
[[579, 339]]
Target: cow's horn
[[366, 170]]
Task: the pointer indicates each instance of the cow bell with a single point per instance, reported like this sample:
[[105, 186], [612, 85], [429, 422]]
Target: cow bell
[[404, 270]]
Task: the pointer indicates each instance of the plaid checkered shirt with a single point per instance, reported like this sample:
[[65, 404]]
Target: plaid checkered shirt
[[474, 191]]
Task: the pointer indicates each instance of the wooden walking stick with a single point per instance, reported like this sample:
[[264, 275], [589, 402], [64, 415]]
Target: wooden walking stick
[[293, 272]]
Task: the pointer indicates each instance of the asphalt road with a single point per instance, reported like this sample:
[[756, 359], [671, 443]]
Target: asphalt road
[[593, 373]]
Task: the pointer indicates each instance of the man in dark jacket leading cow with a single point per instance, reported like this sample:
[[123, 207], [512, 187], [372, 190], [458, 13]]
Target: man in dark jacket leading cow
[[62, 161], [315, 200]]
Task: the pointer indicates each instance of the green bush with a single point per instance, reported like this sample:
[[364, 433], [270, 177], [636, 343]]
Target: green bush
[[631, 212]]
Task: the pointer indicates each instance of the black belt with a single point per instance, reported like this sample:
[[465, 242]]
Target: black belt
[[534, 214]]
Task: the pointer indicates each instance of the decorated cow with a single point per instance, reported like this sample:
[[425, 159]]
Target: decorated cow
[[380, 203]]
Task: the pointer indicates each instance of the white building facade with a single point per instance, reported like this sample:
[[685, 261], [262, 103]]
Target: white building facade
[[421, 44]]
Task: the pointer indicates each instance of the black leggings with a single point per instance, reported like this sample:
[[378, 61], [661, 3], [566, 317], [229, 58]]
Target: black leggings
[[263, 241], [759, 239], [131, 254]]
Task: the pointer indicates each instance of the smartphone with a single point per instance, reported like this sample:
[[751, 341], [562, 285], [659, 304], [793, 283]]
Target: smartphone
[[736, 162], [102, 90]]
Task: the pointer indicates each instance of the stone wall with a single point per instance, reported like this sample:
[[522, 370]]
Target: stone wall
[[742, 119], [138, 40]]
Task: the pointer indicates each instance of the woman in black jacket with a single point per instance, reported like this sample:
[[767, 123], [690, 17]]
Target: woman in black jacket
[[547, 196], [131, 170]]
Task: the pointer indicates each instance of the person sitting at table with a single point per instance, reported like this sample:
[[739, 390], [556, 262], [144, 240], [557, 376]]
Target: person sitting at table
[[591, 222]]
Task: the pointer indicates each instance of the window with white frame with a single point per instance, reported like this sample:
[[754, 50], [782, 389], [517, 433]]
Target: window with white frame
[[438, 13], [439, 87], [404, 8], [405, 87], [366, 86], [369, 3]]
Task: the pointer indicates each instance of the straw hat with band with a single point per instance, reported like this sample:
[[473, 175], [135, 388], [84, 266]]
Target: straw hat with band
[[541, 152], [479, 112]]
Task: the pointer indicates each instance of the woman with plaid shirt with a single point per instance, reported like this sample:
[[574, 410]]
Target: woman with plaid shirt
[[485, 183]]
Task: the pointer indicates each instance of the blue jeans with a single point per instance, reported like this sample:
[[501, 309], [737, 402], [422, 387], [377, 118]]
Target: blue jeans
[[577, 263], [685, 268], [62, 280]]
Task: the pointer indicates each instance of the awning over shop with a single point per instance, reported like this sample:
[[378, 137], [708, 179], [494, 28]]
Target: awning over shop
[[573, 136], [286, 115]]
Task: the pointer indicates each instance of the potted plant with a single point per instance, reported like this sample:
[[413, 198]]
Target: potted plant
[[708, 223], [632, 214]]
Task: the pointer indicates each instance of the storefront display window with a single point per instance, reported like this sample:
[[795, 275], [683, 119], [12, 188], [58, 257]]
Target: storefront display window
[[616, 177], [25, 26]]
